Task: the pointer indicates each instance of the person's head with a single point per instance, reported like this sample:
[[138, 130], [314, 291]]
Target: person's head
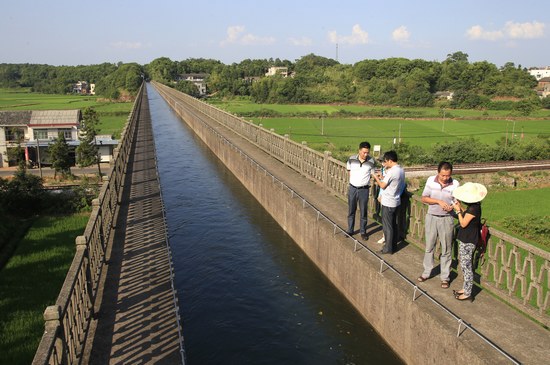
[[444, 171], [470, 193], [364, 149], [390, 156]]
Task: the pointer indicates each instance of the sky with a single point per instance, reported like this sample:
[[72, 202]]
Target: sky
[[77, 32]]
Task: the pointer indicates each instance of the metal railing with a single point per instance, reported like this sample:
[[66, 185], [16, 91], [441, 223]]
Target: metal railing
[[514, 271]]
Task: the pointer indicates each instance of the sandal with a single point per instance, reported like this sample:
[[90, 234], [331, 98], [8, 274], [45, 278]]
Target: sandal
[[445, 284], [422, 279]]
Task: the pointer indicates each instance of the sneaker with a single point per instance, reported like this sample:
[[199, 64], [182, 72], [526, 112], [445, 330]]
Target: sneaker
[[364, 236], [381, 240]]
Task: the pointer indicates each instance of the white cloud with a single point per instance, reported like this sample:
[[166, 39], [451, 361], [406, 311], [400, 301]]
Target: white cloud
[[303, 41], [477, 32], [358, 36], [524, 30], [510, 31], [127, 45], [401, 34], [236, 35]]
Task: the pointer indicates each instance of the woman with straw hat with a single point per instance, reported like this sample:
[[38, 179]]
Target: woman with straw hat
[[469, 216]]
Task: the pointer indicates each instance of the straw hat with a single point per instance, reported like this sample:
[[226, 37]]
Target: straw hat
[[470, 192]]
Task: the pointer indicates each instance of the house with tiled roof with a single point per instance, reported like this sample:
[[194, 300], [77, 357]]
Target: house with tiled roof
[[35, 130]]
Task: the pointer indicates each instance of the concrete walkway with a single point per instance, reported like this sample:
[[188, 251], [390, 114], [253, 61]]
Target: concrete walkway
[[524, 340], [137, 322]]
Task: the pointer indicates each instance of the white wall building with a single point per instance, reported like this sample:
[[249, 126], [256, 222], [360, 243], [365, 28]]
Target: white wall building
[[272, 71], [35, 130], [539, 73]]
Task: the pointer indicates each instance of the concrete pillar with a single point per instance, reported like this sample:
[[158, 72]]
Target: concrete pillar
[[285, 151], [304, 146], [52, 323], [328, 154]]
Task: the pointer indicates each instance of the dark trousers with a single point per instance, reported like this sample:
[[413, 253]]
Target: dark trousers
[[361, 197], [389, 227]]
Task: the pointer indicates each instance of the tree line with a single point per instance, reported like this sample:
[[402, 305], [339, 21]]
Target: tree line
[[316, 79]]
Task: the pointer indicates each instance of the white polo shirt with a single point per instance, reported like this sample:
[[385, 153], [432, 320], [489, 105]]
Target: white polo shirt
[[360, 172], [395, 178], [433, 189]]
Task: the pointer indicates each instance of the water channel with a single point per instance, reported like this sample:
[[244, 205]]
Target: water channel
[[247, 293]]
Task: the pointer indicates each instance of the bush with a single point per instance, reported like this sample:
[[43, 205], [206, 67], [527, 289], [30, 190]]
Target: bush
[[533, 227]]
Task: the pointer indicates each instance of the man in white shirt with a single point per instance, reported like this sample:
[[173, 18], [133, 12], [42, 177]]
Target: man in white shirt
[[439, 221], [360, 167], [393, 184]]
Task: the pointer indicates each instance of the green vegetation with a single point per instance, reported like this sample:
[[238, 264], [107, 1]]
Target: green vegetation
[[32, 280], [522, 213], [245, 107], [112, 115], [338, 133]]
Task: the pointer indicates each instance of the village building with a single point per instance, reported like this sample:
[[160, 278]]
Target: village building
[[272, 71], [540, 73], [35, 130], [199, 79]]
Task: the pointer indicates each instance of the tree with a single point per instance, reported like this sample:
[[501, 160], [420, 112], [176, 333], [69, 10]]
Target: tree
[[87, 151], [59, 155], [187, 87], [22, 194]]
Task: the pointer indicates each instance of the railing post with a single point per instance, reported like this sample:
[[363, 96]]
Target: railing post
[[302, 164], [285, 150], [325, 168], [81, 244], [52, 323], [271, 139]]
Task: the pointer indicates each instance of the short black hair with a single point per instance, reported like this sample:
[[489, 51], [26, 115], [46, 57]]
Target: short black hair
[[390, 155], [444, 165], [364, 145]]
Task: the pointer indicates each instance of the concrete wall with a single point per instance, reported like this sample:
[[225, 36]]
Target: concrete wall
[[416, 330]]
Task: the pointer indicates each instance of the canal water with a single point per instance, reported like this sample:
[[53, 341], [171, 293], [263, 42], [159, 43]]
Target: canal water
[[247, 293]]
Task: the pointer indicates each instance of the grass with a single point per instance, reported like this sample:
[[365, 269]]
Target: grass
[[112, 116], [520, 206], [341, 133], [31, 281], [239, 106]]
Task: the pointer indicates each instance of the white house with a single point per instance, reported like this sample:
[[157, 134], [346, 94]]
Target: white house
[[199, 79], [272, 71], [540, 73], [35, 130]]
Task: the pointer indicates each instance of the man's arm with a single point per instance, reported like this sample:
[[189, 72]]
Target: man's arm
[[380, 183]]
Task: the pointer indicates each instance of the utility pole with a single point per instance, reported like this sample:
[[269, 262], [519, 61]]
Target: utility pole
[[38, 156], [399, 133]]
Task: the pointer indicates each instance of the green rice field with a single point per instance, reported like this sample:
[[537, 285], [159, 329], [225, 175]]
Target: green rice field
[[341, 133], [112, 116], [239, 106], [338, 133]]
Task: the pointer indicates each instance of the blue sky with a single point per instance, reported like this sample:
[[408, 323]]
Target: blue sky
[[76, 32]]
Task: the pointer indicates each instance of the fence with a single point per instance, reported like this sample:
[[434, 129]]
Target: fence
[[67, 322], [514, 271]]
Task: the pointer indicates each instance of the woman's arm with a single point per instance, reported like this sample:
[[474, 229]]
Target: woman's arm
[[465, 219]]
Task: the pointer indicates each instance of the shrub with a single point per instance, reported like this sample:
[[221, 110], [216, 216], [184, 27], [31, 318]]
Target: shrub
[[533, 226]]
